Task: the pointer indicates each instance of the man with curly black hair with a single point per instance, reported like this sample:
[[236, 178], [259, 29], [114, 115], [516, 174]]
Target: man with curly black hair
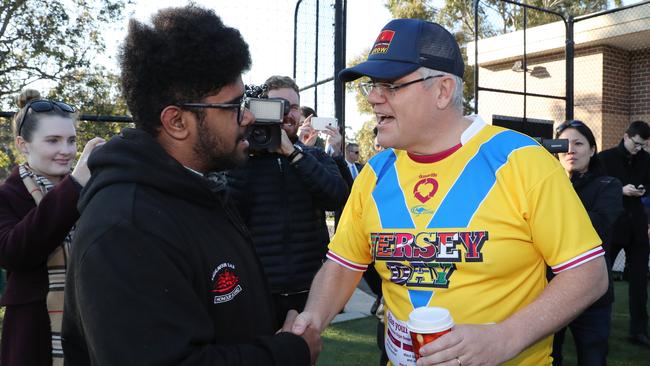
[[163, 271]]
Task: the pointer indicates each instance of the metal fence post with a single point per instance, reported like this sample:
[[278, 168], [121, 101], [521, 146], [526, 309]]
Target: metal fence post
[[570, 54], [339, 60]]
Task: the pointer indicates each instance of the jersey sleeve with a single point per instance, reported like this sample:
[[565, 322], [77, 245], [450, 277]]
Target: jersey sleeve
[[350, 246], [560, 227]]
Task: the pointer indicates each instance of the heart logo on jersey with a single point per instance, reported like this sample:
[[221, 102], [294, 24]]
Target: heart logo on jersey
[[425, 189]]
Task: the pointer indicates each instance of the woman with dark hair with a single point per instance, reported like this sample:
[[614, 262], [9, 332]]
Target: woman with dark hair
[[37, 216], [601, 196]]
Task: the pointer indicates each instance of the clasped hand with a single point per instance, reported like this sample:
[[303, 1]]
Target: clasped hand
[[296, 324]]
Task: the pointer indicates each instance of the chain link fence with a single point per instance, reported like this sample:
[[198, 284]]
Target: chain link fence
[[545, 67], [528, 71], [517, 79], [314, 57]]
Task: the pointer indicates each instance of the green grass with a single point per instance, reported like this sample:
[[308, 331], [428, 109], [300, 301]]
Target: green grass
[[353, 342], [621, 352]]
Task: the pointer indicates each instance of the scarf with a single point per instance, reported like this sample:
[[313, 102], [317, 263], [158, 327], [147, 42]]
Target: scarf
[[38, 186]]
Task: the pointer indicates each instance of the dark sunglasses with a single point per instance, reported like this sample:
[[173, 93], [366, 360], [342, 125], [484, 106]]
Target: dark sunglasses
[[41, 106], [564, 125], [241, 106]]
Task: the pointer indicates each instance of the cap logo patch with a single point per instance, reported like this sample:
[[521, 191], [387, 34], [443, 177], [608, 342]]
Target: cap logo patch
[[383, 42]]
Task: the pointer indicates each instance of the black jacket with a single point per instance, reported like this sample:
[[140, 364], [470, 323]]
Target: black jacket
[[162, 271], [629, 169], [347, 177], [601, 197], [283, 206]]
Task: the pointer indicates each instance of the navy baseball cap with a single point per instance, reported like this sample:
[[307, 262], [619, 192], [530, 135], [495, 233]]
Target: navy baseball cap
[[405, 45]]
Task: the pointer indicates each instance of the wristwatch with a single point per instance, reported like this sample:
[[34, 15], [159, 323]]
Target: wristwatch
[[297, 149]]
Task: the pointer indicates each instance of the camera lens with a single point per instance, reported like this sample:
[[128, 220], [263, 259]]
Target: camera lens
[[260, 135]]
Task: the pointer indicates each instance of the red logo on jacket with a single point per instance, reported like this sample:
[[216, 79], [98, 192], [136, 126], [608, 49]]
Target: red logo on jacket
[[225, 283]]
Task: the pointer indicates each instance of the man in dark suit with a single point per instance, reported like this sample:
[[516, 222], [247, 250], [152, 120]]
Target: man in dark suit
[[352, 158]]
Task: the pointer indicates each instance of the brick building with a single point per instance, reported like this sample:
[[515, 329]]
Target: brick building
[[611, 72]]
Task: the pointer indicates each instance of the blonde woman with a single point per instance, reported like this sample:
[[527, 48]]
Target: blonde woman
[[37, 216]]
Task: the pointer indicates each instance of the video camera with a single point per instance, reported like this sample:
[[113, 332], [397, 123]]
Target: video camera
[[264, 133]]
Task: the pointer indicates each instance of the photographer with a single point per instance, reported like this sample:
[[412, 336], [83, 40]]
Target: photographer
[[283, 195]]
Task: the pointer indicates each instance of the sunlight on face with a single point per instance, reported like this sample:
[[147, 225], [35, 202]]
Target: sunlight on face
[[292, 120], [53, 147]]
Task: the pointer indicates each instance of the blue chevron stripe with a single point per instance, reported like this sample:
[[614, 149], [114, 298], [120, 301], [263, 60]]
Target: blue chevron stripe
[[420, 298], [477, 179], [389, 198]]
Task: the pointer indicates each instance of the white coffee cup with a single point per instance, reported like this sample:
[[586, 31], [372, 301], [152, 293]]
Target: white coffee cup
[[427, 324]]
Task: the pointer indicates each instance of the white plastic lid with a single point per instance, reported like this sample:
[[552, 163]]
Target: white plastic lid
[[427, 320]]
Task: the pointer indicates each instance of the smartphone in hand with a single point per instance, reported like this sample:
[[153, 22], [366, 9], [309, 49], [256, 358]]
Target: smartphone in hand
[[320, 123]]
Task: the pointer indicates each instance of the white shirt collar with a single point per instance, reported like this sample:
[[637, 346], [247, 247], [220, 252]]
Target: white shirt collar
[[471, 131]]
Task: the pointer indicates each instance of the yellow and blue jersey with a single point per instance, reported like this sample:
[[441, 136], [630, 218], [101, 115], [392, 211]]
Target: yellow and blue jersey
[[472, 232]]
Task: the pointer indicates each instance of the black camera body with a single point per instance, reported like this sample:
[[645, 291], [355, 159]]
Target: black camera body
[[264, 134], [554, 146]]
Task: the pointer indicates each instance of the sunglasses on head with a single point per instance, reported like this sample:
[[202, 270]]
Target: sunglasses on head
[[564, 125], [41, 106]]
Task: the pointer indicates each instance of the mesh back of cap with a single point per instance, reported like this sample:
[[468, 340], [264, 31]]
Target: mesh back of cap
[[439, 50]]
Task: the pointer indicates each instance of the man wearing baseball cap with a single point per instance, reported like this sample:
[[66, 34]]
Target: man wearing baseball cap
[[456, 214]]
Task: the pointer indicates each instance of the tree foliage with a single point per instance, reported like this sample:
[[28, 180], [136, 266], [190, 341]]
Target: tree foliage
[[57, 41], [512, 16], [362, 103], [366, 140], [93, 92], [411, 9], [47, 39]]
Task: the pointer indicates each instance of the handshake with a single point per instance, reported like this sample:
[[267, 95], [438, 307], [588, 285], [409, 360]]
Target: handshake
[[302, 325]]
